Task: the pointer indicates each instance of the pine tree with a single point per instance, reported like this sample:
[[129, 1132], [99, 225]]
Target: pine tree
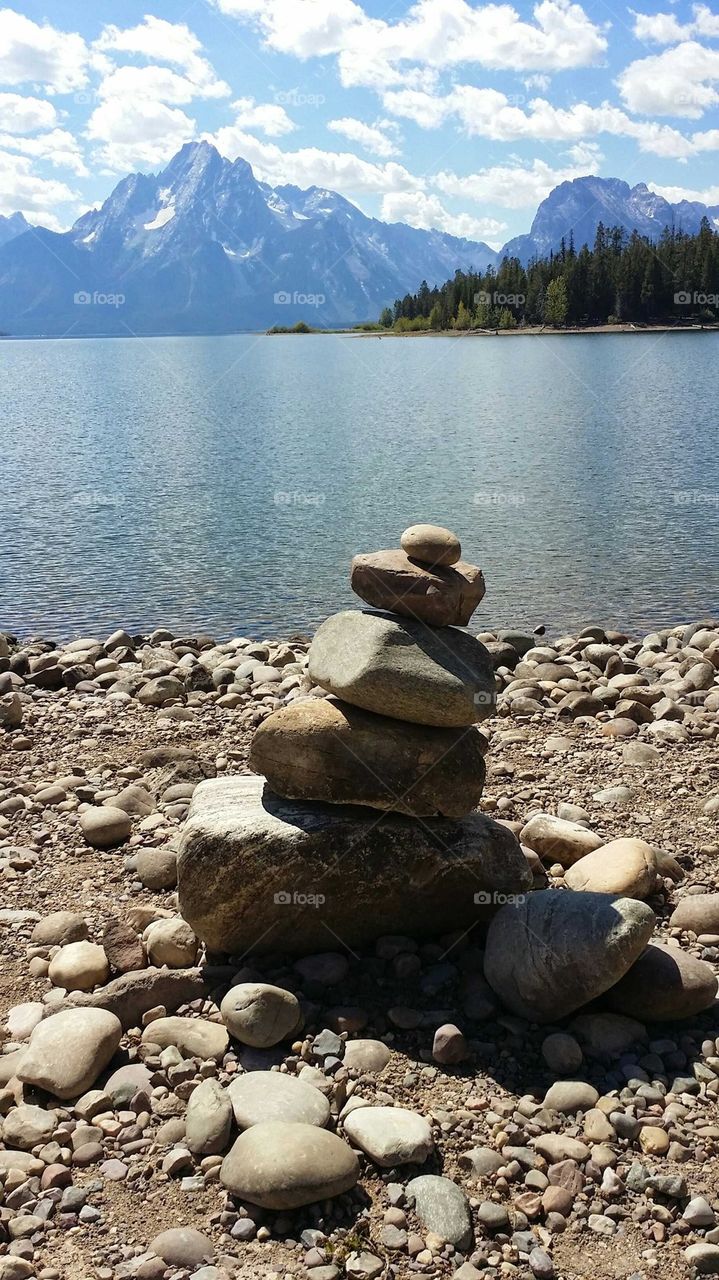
[[556, 303]]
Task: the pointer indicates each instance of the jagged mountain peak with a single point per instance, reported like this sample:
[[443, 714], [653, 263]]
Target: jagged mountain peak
[[575, 208], [203, 246]]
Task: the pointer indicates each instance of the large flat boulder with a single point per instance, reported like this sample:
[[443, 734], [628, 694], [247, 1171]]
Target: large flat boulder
[[439, 595], [556, 950], [402, 668], [322, 749], [256, 872]]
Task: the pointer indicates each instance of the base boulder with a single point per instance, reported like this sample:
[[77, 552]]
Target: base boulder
[[258, 872]]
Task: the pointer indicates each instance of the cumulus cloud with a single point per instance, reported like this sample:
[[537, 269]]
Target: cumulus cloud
[[427, 212], [25, 115], [338, 170], [22, 191], [270, 118], [58, 147], [31, 53], [371, 137], [434, 33], [490, 114], [511, 186], [138, 121], [679, 82], [143, 133], [162, 41], [665, 28]]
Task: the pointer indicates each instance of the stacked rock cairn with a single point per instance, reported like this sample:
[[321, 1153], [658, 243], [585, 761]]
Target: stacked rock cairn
[[399, 735], [407, 689]]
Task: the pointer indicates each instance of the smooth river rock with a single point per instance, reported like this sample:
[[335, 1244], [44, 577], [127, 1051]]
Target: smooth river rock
[[79, 966], [404, 669], [698, 912], [557, 840], [556, 950], [270, 1095], [431, 544], [68, 1051], [259, 872], [665, 983], [439, 596], [104, 826], [209, 1118], [279, 1165], [322, 749], [390, 1135], [258, 1014], [626, 867], [194, 1037], [442, 1207]]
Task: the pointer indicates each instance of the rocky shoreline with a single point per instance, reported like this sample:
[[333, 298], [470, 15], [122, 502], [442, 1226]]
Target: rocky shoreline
[[481, 1136]]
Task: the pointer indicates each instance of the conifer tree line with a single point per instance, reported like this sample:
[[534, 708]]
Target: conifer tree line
[[622, 279]]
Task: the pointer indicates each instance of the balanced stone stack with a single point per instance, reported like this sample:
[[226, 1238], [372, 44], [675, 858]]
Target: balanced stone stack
[[288, 860]]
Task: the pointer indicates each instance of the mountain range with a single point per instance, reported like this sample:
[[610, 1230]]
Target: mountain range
[[203, 247]]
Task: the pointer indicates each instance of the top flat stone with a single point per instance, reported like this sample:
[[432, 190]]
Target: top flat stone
[[402, 668], [431, 544], [439, 595]]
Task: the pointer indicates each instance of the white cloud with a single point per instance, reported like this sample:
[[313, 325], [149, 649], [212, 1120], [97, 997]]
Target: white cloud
[[427, 212], [22, 191], [30, 53], [511, 186], [490, 114], [434, 33], [162, 41], [677, 82], [371, 137], [270, 118], [338, 170], [709, 195], [58, 147], [25, 115], [138, 134], [665, 28], [149, 84]]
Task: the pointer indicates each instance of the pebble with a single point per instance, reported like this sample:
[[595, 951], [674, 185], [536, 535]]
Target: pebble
[[104, 827], [390, 1136]]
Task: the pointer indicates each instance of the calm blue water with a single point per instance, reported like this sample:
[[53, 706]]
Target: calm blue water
[[224, 483]]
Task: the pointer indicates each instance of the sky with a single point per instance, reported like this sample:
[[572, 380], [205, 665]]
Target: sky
[[453, 114]]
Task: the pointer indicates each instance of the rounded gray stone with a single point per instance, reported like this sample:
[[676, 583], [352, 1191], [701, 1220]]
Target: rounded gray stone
[[269, 1095], [280, 1165]]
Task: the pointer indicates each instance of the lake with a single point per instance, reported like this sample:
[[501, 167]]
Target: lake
[[224, 484]]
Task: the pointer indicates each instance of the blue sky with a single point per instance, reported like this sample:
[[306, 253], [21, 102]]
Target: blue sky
[[443, 113]]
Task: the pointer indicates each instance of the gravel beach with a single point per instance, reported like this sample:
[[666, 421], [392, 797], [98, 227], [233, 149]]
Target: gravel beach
[[418, 1113]]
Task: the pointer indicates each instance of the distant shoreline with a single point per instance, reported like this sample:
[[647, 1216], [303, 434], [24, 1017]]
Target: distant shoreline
[[527, 331], [539, 331]]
